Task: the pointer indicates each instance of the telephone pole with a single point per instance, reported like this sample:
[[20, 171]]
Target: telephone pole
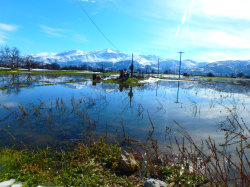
[[132, 66], [180, 63], [158, 68]]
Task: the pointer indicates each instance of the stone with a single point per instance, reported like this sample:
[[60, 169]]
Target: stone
[[7, 183], [128, 163], [154, 183]]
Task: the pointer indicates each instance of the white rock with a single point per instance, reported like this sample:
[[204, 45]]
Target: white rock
[[154, 183], [7, 183], [17, 185]]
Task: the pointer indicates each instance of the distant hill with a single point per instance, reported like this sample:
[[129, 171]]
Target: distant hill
[[116, 60]]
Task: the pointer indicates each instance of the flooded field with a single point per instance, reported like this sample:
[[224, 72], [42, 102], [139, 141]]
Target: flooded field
[[41, 110]]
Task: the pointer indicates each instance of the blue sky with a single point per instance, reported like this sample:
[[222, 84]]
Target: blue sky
[[206, 30]]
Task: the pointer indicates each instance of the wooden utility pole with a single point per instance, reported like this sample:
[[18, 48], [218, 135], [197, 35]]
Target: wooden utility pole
[[158, 68], [132, 66], [180, 64]]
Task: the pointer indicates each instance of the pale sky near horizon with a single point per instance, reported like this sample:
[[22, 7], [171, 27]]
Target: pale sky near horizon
[[206, 30]]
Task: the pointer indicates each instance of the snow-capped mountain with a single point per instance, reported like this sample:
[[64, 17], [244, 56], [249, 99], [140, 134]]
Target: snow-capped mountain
[[116, 60]]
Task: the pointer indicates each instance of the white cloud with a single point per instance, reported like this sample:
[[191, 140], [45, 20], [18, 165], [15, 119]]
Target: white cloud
[[3, 37], [5, 29], [92, 1], [238, 9], [45, 54], [217, 38], [56, 32], [177, 31], [184, 17], [220, 56], [80, 38], [8, 27]]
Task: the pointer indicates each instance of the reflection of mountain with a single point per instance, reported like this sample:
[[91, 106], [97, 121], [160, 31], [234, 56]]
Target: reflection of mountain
[[76, 86], [163, 84], [191, 85], [116, 60]]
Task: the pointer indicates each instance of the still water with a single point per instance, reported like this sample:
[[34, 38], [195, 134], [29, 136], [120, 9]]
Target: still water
[[52, 110]]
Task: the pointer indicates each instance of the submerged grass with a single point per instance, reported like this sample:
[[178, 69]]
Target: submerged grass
[[100, 164], [126, 81]]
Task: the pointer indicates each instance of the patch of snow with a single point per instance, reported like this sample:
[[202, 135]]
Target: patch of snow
[[86, 72], [22, 69], [150, 80], [40, 70], [4, 68]]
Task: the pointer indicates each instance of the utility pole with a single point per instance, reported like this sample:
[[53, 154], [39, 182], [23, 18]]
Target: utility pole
[[180, 64], [132, 66], [158, 68]]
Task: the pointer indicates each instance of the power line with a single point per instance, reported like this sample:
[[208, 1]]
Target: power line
[[96, 26]]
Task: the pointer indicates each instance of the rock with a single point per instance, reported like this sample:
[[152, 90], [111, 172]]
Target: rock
[[10, 183], [154, 183], [128, 163], [17, 185]]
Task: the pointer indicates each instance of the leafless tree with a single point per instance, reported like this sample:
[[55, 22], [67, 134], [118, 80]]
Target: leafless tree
[[14, 57], [10, 56], [5, 55], [28, 60]]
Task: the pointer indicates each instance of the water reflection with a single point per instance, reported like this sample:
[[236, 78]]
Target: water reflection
[[88, 109], [11, 83], [177, 96]]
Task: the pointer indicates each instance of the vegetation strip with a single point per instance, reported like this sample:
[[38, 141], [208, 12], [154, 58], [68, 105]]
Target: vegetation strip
[[126, 81], [98, 164], [50, 72]]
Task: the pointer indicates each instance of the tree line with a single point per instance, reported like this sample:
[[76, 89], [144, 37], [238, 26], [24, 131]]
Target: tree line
[[11, 58]]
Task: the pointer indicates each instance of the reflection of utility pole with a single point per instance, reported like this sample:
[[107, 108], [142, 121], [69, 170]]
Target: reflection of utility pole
[[157, 88], [158, 69], [130, 94], [180, 63], [177, 96], [132, 66]]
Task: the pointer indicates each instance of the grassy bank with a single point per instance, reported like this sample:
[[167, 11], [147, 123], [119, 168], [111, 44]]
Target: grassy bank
[[53, 72], [98, 164], [223, 78]]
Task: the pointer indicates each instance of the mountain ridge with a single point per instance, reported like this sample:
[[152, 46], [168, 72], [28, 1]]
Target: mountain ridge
[[116, 60]]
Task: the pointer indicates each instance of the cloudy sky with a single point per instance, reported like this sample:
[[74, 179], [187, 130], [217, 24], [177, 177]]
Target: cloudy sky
[[206, 30]]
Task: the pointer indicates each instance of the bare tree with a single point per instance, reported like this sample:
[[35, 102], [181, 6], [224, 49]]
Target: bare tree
[[5, 55], [14, 57], [1, 57], [10, 56], [28, 60]]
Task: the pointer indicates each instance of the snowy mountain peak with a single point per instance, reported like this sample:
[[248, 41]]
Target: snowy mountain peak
[[110, 51], [117, 60], [71, 53]]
